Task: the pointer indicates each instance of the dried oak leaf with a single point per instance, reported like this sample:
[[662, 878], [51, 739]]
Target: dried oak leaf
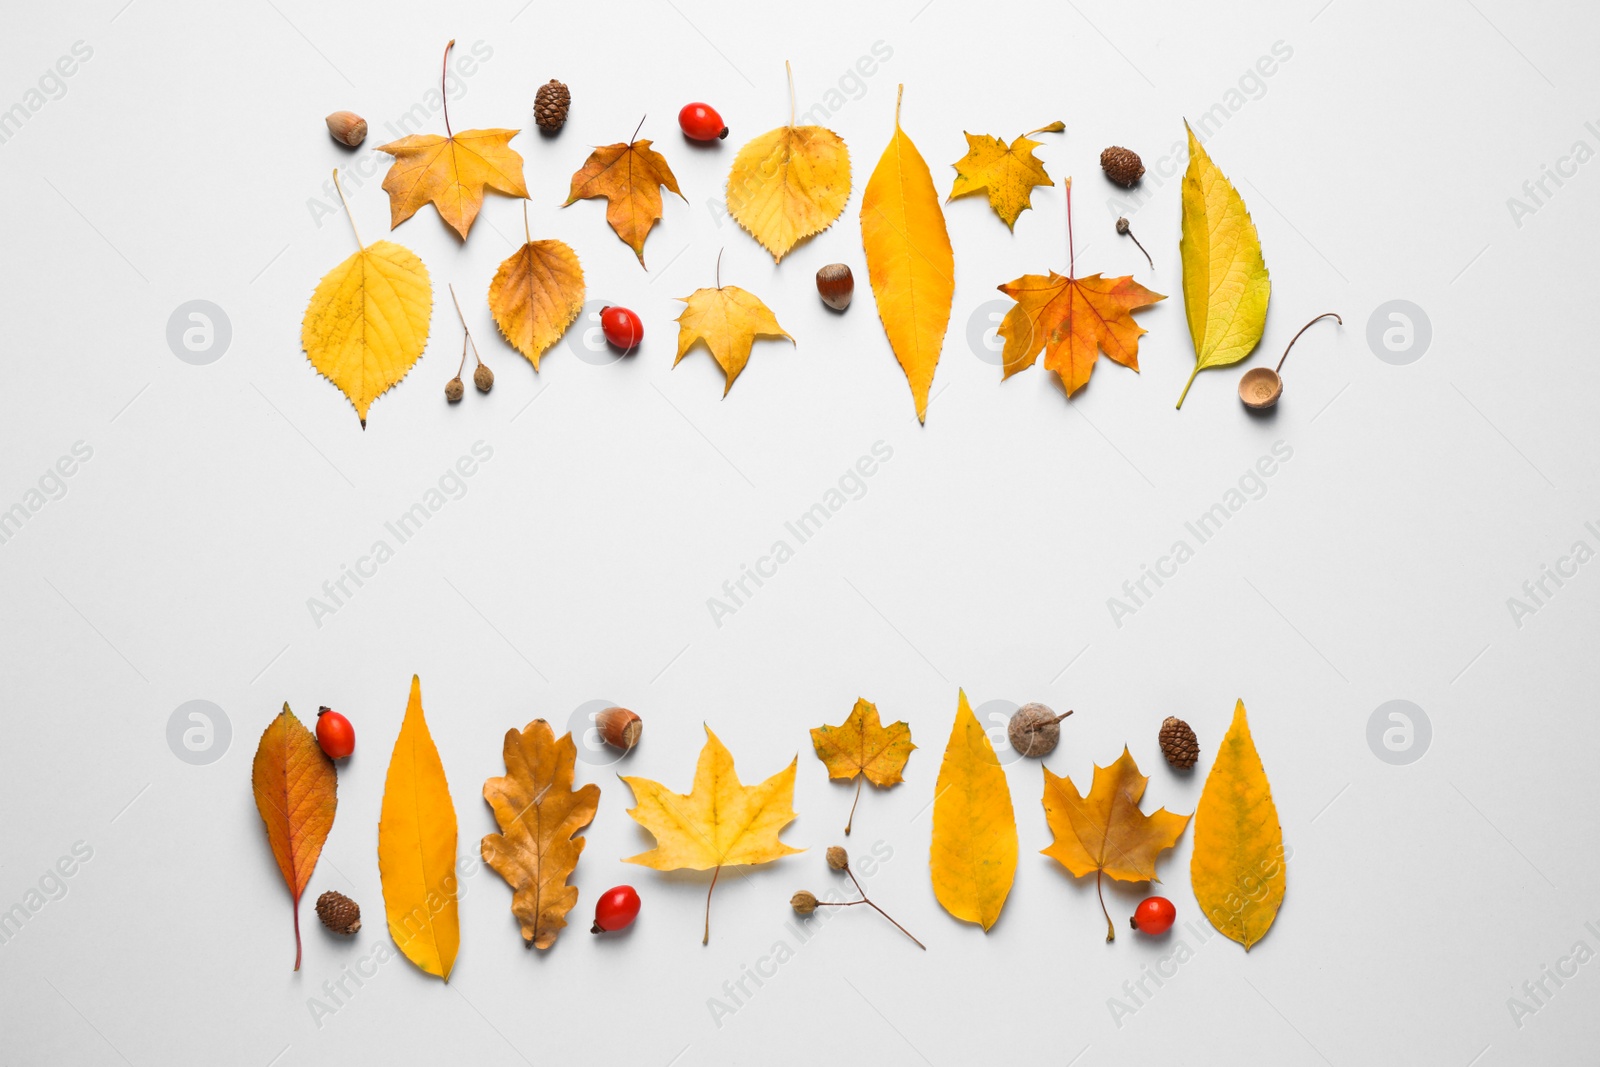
[[538, 812], [452, 173], [630, 177], [863, 748], [296, 793], [727, 320], [1008, 172], [536, 294]]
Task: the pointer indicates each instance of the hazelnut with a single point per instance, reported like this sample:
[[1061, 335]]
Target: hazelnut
[[619, 727], [347, 127], [836, 285]]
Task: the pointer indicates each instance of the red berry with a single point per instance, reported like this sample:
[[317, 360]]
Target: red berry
[[615, 910], [701, 122], [622, 327], [1154, 915], [335, 734]]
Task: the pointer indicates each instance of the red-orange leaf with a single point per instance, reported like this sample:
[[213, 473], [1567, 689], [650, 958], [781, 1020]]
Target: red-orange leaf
[[1072, 320], [296, 792]]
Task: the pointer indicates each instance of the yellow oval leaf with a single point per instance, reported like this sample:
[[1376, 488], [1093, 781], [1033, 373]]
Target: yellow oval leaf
[[535, 295], [417, 848], [909, 260], [1225, 282], [1238, 868], [974, 855], [367, 322], [788, 184]]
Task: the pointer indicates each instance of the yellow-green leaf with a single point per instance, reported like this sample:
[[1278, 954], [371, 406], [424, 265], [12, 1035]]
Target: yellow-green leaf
[[1238, 868], [1225, 282], [974, 857]]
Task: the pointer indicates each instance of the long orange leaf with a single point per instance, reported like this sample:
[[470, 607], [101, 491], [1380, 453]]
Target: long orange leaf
[[296, 793]]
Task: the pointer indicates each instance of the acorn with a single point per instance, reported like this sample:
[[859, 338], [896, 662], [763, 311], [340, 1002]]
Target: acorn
[[347, 127], [338, 912], [483, 377], [619, 728], [1035, 730], [1122, 165], [836, 285]]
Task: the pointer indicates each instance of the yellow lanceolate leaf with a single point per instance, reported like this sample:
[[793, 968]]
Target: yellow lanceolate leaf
[[1008, 173], [909, 260], [417, 848], [1239, 868], [1225, 282], [719, 823], [1105, 832], [862, 746], [788, 184], [974, 855], [727, 320], [538, 812], [367, 322], [535, 295], [452, 173], [630, 177]]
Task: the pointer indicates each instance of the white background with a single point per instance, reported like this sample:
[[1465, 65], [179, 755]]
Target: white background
[[181, 163]]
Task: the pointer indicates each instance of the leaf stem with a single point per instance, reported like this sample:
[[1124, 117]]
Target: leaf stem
[[1111, 931], [1187, 384], [297, 934], [719, 265], [347, 212], [444, 97], [706, 940], [790, 71], [525, 231], [1072, 253], [851, 821], [637, 128], [899, 93], [1303, 329]]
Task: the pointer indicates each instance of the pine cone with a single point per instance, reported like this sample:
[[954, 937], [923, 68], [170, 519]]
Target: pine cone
[[1178, 743], [1122, 165], [339, 913], [550, 106]]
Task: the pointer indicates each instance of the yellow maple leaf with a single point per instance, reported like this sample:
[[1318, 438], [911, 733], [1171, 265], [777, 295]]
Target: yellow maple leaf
[[789, 183], [367, 323], [1226, 287], [450, 171], [417, 848], [1238, 869], [1008, 172], [727, 320], [1105, 832], [630, 177], [909, 260], [863, 748], [538, 811], [719, 823], [973, 860], [536, 294]]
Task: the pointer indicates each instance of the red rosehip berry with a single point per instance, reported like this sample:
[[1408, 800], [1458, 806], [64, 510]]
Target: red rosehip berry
[[615, 910], [335, 734], [621, 327], [1154, 915], [701, 122]]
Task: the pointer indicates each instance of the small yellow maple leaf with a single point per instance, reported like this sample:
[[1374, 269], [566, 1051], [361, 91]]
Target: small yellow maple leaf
[[718, 823], [630, 177], [863, 748], [536, 294], [1105, 832], [1009, 173], [727, 320]]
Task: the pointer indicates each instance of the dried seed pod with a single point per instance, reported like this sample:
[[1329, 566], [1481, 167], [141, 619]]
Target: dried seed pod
[[1122, 165], [1035, 730], [338, 912], [347, 127], [803, 902], [1178, 743], [454, 390], [836, 285], [483, 378], [838, 858], [619, 728]]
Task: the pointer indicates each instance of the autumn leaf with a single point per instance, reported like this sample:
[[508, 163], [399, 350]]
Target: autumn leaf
[[417, 848], [974, 856], [863, 748], [450, 171], [719, 823], [1072, 320], [909, 260], [727, 320], [789, 183], [1225, 282], [536, 294], [1008, 172], [538, 812], [1239, 868], [367, 323], [630, 177], [1105, 833], [296, 793]]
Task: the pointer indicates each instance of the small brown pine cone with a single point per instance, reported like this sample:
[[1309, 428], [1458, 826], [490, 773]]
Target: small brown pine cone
[[550, 105], [338, 912], [1122, 165], [1178, 743]]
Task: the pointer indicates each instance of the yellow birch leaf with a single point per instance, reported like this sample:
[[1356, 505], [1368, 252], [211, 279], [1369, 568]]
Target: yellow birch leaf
[[719, 823], [1225, 282], [629, 177], [535, 295], [417, 848], [909, 260], [1007, 172], [788, 184], [538, 812], [727, 320], [863, 748], [974, 855], [1238, 869]]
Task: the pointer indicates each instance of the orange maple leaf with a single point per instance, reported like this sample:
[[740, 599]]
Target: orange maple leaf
[[629, 177]]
